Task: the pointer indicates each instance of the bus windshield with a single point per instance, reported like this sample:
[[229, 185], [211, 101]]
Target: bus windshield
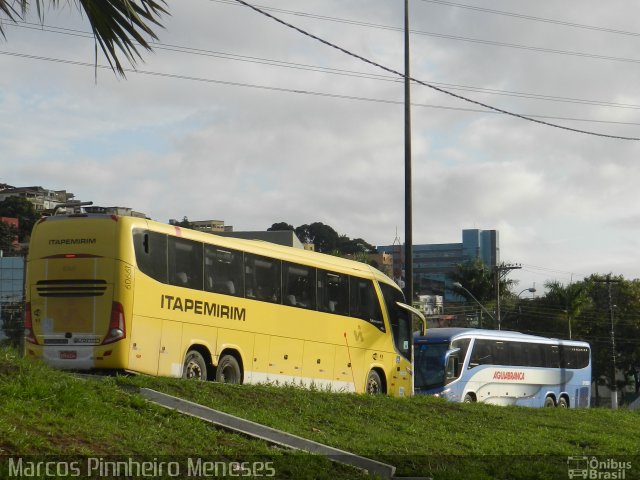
[[399, 319], [429, 362]]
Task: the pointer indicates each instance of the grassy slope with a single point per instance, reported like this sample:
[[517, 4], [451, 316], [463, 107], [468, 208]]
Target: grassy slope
[[48, 412]]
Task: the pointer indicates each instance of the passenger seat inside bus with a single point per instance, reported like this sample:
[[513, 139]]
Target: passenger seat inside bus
[[226, 287]]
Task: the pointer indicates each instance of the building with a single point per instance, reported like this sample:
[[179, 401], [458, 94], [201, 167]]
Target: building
[[287, 238], [382, 261], [11, 291], [121, 211], [433, 262], [43, 200]]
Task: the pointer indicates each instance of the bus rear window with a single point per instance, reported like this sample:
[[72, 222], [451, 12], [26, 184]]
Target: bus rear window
[[151, 253]]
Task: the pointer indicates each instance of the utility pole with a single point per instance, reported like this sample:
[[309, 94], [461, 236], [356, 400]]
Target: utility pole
[[614, 389], [408, 214], [501, 271]]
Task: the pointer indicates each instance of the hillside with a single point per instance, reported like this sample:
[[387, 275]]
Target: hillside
[[47, 412]]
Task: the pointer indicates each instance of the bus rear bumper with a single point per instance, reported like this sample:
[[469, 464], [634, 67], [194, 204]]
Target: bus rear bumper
[[69, 358]]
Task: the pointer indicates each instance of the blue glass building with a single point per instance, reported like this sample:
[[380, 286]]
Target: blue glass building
[[432, 262]]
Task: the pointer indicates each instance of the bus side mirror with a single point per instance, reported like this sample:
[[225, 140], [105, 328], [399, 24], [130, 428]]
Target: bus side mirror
[[453, 367]]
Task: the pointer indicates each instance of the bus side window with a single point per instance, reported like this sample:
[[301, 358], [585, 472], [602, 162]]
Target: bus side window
[[223, 271], [262, 278], [151, 253], [452, 368], [333, 292], [299, 285], [481, 353], [364, 302], [551, 356], [463, 345], [185, 263], [500, 353]]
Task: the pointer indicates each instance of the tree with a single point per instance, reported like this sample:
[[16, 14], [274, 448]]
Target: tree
[[613, 300], [24, 211], [477, 278], [347, 245], [184, 223], [322, 236], [281, 227], [116, 24], [11, 318], [572, 299], [8, 234], [590, 306]]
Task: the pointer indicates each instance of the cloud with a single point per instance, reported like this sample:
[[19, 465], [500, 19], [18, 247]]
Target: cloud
[[185, 137]]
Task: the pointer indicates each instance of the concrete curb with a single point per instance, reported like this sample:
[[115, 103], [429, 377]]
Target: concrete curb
[[267, 434]]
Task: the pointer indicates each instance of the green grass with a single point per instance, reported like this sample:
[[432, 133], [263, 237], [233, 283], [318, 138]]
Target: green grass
[[43, 411]]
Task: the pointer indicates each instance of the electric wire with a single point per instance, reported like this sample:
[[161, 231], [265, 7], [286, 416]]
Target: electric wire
[[533, 18], [438, 89], [291, 90], [333, 71], [447, 36], [530, 117]]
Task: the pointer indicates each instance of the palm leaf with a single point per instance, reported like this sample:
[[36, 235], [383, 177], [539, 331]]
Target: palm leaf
[[119, 26]]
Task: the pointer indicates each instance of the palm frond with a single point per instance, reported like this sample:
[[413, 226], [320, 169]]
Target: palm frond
[[119, 26]]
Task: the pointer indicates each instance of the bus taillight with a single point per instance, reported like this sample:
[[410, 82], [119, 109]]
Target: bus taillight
[[29, 336], [116, 325]]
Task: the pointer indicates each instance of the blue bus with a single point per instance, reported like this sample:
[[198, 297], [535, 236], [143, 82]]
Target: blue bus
[[502, 368]]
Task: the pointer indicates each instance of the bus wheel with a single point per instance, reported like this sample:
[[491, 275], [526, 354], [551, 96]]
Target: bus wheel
[[194, 366], [563, 403], [374, 383], [228, 370], [549, 402], [469, 398]]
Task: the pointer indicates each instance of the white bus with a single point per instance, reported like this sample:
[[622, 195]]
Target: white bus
[[502, 367]]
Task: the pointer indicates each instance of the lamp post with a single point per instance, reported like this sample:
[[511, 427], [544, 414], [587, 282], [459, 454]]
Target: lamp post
[[530, 290], [459, 285], [408, 206]]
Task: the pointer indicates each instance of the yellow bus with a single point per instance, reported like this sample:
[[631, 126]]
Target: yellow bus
[[117, 292]]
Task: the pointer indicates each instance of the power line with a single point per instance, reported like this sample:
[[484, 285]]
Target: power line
[[450, 36], [289, 90], [535, 19], [441, 90], [344, 72]]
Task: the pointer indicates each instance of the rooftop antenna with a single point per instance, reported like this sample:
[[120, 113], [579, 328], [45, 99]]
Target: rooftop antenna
[[396, 241]]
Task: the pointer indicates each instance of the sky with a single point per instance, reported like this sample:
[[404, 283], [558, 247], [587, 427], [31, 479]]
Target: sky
[[239, 118]]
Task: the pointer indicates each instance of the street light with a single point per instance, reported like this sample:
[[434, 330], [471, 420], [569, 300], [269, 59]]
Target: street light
[[459, 285], [530, 290]]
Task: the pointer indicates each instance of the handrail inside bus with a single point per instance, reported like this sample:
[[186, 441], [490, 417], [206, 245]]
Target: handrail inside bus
[[417, 313]]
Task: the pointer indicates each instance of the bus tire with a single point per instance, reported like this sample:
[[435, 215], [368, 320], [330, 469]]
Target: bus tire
[[469, 398], [549, 402], [563, 402], [374, 383], [228, 370], [195, 367]]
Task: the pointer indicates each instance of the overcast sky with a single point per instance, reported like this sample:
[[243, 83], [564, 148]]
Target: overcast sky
[[236, 117]]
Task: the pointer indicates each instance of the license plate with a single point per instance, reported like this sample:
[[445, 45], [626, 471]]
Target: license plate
[[68, 355]]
